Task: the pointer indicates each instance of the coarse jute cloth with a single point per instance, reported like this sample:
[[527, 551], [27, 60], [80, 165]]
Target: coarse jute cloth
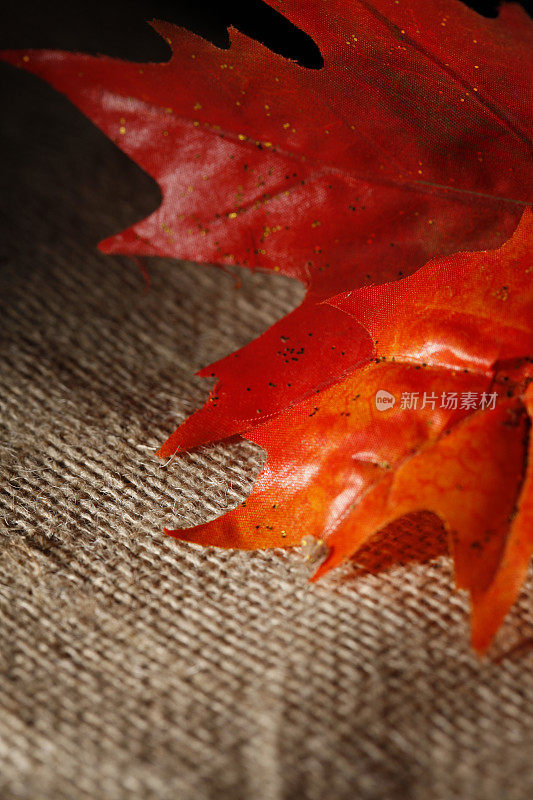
[[134, 666]]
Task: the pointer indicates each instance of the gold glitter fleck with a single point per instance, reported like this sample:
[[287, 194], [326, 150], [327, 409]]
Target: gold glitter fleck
[[501, 294]]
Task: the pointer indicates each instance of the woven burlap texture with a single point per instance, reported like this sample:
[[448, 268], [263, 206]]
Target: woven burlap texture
[[133, 666]]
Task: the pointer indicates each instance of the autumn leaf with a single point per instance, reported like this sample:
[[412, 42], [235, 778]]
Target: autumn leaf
[[414, 140], [412, 143], [454, 441]]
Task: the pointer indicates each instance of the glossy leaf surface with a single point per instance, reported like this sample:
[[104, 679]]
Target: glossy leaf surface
[[455, 441]]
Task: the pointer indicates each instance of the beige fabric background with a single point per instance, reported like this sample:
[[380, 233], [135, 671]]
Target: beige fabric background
[[133, 666]]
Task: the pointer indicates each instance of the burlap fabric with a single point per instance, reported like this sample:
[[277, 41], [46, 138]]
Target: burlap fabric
[[133, 666]]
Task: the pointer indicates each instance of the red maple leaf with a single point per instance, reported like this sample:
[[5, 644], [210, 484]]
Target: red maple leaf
[[413, 141], [453, 345]]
